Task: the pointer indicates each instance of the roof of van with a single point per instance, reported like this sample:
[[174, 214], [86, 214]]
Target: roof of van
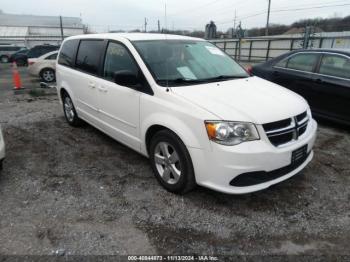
[[137, 36]]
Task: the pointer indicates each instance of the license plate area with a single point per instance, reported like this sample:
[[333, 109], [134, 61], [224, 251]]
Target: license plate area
[[299, 155]]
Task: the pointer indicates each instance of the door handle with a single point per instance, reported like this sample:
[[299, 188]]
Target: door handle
[[318, 80], [92, 85], [102, 89], [276, 73]]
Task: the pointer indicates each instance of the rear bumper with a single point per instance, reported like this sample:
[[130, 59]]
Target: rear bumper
[[215, 169], [33, 71]]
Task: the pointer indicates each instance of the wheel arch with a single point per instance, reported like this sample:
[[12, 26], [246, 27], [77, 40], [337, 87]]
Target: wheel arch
[[171, 123], [46, 68], [62, 90]]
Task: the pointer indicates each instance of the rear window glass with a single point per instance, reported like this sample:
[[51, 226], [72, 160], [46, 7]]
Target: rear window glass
[[67, 53], [89, 54]]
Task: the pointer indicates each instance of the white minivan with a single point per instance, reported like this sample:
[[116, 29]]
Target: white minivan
[[197, 114]]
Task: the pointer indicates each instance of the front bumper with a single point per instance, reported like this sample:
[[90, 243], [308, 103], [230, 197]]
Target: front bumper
[[216, 168]]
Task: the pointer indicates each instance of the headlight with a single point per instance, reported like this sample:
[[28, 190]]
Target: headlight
[[231, 133]]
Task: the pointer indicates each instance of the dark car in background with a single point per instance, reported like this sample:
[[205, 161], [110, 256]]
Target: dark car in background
[[20, 57], [40, 50], [321, 76], [6, 51]]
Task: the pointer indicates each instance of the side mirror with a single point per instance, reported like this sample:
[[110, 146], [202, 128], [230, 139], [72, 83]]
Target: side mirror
[[126, 78]]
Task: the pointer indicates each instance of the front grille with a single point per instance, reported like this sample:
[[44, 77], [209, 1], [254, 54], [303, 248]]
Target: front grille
[[286, 130]]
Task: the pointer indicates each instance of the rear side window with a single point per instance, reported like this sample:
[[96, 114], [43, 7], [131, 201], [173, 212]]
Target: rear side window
[[334, 65], [34, 52], [302, 62], [67, 53], [51, 57], [89, 54]]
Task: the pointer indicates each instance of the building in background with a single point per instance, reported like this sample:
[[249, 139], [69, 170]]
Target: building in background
[[32, 30]]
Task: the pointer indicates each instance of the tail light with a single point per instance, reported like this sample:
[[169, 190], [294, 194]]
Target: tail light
[[249, 70], [31, 63]]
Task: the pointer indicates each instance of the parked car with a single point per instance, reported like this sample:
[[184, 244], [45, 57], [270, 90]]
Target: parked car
[[189, 107], [44, 66], [40, 50], [321, 76], [20, 57], [6, 51], [2, 148]]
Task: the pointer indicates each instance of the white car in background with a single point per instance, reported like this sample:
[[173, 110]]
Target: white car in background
[[44, 66], [2, 148]]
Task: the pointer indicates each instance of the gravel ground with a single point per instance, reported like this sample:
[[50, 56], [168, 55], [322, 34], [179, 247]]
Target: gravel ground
[[75, 191]]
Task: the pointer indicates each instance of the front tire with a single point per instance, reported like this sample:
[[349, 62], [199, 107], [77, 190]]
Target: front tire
[[69, 111], [171, 162]]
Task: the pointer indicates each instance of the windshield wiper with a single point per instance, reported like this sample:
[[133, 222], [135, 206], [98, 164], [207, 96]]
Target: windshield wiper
[[223, 77], [194, 81], [179, 81]]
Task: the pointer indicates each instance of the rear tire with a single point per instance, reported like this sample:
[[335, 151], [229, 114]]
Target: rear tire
[[48, 75], [69, 111], [171, 162]]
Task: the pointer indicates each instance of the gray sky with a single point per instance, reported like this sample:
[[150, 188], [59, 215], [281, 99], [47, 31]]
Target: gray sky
[[181, 14]]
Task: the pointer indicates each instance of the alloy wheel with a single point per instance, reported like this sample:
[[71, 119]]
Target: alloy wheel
[[167, 162], [48, 75], [69, 109]]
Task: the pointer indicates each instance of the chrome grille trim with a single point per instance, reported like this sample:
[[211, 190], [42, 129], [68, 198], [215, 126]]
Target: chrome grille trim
[[290, 127], [286, 134]]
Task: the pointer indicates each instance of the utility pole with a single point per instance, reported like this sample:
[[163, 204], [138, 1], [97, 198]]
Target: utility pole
[[268, 19], [239, 32], [306, 37], [145, 24], [234, 25], [165, 18], [158, 26], [61, 26]]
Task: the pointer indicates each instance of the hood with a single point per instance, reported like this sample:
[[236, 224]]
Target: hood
[[249, 99]]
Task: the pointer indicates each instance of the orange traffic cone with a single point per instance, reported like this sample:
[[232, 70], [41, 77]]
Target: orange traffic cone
[[16, 77]]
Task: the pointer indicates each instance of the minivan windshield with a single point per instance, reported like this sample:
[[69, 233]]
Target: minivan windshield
[[183, 62]]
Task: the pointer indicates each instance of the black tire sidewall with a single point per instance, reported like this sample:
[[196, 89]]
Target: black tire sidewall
[[76, 120], [187, 180]]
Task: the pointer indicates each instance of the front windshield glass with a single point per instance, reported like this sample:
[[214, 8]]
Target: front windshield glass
[[182, 62]]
